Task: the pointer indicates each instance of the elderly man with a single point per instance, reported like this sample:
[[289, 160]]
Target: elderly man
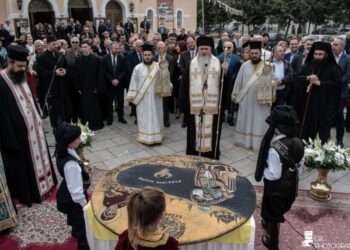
[[231, 64], [224, 38], [165, 69], [203, 94]]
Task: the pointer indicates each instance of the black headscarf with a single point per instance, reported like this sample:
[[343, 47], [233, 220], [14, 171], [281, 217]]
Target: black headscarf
[[285, 119], [65, 134]]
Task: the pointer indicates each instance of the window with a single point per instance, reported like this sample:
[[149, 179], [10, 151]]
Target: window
[[150, 17], [179, 19]]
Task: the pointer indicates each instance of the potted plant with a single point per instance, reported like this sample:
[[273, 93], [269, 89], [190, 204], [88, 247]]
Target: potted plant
[[324, 157]]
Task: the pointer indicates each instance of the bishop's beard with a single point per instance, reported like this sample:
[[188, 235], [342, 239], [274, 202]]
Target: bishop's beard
[[17, 76], [319, 65], [203, 61]]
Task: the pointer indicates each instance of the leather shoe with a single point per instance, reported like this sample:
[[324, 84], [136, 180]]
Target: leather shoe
[[166, 124], [184, 125], [231, 123], [122, 120], [109, 123], [135, 122], [132, 114]]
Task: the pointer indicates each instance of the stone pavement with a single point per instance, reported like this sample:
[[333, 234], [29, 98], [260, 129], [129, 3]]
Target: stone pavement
[[116, 144]]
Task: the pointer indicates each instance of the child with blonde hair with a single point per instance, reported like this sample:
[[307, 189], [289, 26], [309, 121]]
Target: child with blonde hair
[[145, 209]]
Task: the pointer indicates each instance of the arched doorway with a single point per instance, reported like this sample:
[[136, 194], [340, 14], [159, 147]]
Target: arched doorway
[[40, 11], [114, 12], [80, 10]]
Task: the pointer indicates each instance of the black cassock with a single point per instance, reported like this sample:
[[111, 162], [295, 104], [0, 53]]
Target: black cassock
[[58, 99], [15, 150], [184, 103], [90, 77], [323, 101]]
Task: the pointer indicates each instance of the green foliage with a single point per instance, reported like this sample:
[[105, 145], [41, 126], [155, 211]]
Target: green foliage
[[280, 11]]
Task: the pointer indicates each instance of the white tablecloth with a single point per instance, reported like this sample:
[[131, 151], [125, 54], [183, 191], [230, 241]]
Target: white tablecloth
[[96, 244]]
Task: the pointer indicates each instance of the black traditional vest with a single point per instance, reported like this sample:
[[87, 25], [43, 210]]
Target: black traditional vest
[[63, 196], [290, 151]]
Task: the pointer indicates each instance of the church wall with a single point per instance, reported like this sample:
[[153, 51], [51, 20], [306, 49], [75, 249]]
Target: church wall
[[60, 8]]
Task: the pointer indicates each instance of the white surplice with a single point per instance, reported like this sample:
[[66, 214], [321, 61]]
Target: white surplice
[[251, 125], [149, 107]]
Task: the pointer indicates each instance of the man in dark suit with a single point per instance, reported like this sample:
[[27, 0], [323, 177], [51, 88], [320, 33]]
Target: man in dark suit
[[145, 25], [129, 28], [185, 60], [115, 70], [297, 63], [343, 61], [133, 58], [52, 71], [299, 59], [293, 46], [162, 55]]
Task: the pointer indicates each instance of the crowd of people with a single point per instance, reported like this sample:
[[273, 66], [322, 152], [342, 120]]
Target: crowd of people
[[80, 72]]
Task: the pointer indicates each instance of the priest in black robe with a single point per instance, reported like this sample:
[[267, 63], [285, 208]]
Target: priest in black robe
[[90, 77], [53, 71], [201, 94], [27, 163], [317, 92]]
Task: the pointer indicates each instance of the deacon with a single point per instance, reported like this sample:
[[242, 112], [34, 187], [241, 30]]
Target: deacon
[[317, 92], [203, 91], [280, 157], [254, 91], [149, 104], [28, 167]]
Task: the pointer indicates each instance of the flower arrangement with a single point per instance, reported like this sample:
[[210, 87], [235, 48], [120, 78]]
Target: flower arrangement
[[326, 156], [86, 135]]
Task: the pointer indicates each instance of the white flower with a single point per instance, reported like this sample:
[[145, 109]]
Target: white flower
[[339, 159], [83, 137]]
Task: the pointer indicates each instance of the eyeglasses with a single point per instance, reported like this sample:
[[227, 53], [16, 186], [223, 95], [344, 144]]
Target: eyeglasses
[[228, 47], [75, 42]]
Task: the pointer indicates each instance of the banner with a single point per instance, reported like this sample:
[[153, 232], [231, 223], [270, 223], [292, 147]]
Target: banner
[[166, 13]]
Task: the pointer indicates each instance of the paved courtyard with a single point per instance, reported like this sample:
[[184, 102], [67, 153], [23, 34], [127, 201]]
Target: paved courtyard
[[116, 144]]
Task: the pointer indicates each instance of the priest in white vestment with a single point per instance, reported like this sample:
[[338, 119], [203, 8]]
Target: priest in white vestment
[[254, 91], [203, 130], [149, 104]]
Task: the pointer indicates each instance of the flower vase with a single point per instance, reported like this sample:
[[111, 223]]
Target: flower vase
[[87, 167], [320, 189]]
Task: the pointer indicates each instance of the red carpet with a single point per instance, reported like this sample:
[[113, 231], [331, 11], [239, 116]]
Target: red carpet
[[42, 227], [329, 221]]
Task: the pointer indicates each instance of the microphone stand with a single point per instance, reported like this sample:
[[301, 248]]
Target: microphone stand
[[46, 105], [201, 113], [219, 115]]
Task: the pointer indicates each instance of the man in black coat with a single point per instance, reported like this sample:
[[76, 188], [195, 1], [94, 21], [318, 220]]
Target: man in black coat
[[185, 60], [145, 25], [115, 71], [129, 28], [133, 58], [90, 77], [317, 92], [52, 71]]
